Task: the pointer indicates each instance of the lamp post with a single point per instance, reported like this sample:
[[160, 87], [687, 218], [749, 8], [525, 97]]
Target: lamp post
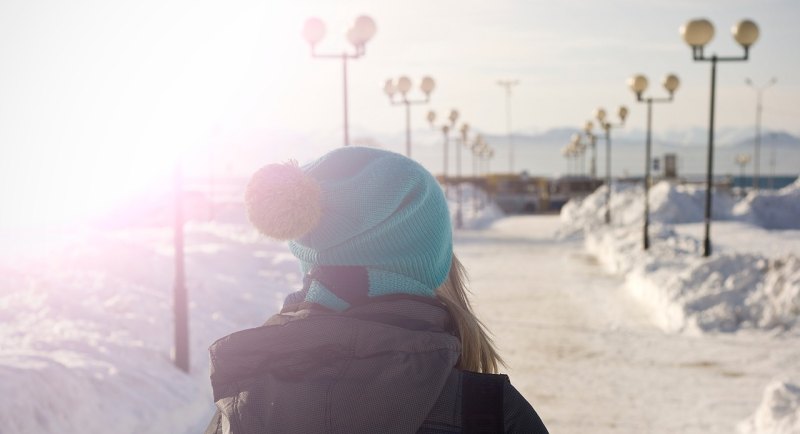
[[486, 154], [638, 84], [587, 129], [464, 130], [445, 128], [508, 84], [757, 154], [579, 149], [478, 145], [600, 115], [403, 85], [362, 31], [180, 301], [567, 152], [742, 160], [697, 33]]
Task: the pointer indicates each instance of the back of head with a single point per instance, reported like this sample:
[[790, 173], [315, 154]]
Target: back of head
[[363, 222]]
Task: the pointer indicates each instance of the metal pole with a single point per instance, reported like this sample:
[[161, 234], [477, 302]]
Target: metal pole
[[408, 129], [710, 168], [474, 182], [593, 169], [608, 174], [647, 162], [446, 162], [757, 156], [346, 125], [459, 216], [508, 128], [180, 299]]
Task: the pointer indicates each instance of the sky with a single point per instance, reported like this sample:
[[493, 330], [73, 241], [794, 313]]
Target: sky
[[98, 99]]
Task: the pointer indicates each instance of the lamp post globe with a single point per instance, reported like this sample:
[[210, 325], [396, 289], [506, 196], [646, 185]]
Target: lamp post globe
[[364, 29], [637, 83], [403, 84], [389, 88], [453, 117], [427, 85], [313, 31], [745, 32], [622, 112], [671, 83], [588, 127], [600, 115], [431, 117], [698, 33]]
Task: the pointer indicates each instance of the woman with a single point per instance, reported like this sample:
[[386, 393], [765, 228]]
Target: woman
[[382, 338]]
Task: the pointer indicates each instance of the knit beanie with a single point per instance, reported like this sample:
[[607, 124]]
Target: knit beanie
[[363, 222]]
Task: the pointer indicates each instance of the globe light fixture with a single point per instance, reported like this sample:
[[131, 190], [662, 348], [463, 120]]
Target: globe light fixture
[[698, 32]]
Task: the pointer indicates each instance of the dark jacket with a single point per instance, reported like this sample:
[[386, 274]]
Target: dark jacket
[[384, 367]]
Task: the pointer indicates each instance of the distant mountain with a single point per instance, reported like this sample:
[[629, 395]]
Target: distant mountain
[[689, 137]]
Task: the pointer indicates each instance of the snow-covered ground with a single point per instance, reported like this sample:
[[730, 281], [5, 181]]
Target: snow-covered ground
[[750, 282], [86, 321], [85, 326]]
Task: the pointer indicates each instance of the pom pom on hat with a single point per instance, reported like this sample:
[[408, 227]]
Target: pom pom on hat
[[283, 202]]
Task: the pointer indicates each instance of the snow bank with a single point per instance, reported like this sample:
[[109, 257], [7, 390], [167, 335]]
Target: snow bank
[[477, 212], [86, 333], [778, 413], [684, 291], [772, 210], [86, 327], [669, 203]]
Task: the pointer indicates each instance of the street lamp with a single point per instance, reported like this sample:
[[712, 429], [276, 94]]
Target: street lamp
[[600, 115], [587, 130], [757, 154], [697, 33], [485, 154], [742, 160], [477, 147], [180, 300], [579, 149], [362, 31], [508, 84], [402, 86], [638, 84], [445, 128], [464, 130]]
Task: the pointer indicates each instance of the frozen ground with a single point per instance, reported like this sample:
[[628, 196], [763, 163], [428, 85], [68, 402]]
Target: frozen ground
[[587, 355], [749, 285], [85, 333]]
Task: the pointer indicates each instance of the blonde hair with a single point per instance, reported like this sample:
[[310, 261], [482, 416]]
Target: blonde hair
[[478, 352]]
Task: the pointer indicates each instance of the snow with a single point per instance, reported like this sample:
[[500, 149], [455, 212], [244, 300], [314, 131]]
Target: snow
[[750, 283], [86, 331], [599, 336], [778, 413], [86, 322]]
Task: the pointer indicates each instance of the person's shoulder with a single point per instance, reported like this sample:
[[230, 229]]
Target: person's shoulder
[[518, 413]]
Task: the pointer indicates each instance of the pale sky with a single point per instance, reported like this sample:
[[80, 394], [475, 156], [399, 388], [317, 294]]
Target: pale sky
[[97, 96]]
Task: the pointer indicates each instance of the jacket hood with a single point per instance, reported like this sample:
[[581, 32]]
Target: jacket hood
[[379, 367]]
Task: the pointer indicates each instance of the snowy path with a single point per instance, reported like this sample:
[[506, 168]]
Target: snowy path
[[585, 353]]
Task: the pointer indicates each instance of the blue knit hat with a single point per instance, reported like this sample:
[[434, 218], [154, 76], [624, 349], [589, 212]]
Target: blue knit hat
[[364, 223]]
